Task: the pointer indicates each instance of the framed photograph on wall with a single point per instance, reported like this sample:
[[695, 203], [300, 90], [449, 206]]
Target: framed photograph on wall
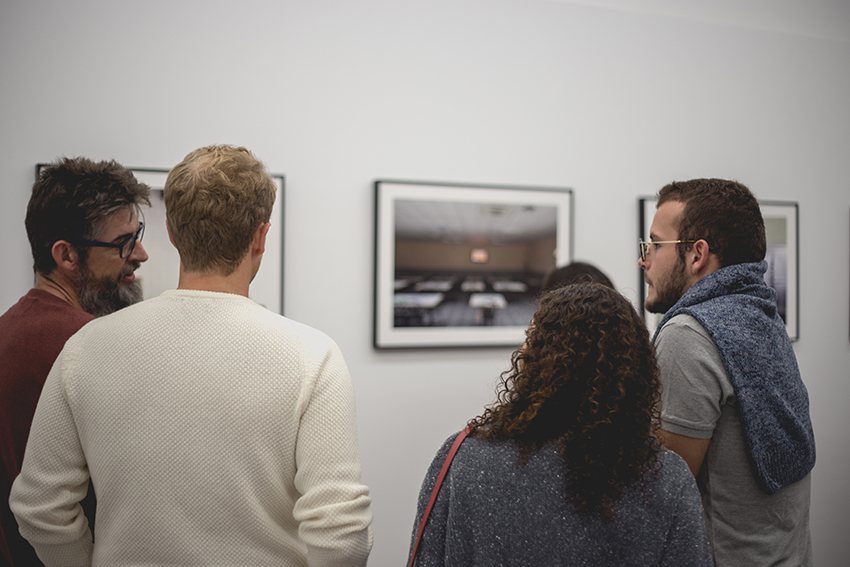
[[162, 269], [783, 273], [459, 265], [781, 220]]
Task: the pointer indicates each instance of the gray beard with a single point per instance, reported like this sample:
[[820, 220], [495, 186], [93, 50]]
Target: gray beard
[[107, 295]]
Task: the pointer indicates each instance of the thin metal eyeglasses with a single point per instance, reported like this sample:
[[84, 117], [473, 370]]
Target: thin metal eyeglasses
[[125, 247], [644, 246]]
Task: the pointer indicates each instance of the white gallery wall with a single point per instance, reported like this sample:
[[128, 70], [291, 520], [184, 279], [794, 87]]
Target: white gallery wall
[[612, 99]]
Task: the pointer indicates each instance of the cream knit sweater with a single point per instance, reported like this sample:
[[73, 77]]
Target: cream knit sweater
[[215, 432]]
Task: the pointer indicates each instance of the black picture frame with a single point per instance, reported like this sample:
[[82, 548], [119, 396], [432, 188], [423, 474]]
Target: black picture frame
[[460, 265]]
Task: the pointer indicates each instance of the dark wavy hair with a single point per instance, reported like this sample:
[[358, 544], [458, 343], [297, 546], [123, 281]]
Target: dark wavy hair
[[574, 272], [724, 213], [72, 199], [586, 379]]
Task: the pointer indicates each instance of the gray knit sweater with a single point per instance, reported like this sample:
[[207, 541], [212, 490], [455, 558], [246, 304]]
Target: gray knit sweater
[[492, 512], [738, 310]]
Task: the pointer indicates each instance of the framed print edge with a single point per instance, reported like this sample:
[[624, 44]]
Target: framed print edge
[[375, 263], [789, 213], [646, 211]]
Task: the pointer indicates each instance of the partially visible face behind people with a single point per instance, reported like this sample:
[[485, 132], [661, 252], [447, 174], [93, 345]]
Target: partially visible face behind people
[[664, 269], [107, 282]]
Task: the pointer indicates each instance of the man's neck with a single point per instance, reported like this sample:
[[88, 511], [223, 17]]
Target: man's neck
[[236, 283], [56, 285], [697, 271]]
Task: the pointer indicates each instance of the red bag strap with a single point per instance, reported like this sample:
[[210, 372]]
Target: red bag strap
[[455, 446]]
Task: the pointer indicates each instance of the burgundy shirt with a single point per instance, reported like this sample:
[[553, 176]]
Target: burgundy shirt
[[32, 333]]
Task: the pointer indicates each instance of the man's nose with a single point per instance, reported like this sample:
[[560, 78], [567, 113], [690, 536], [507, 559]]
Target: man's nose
[[139, 253]]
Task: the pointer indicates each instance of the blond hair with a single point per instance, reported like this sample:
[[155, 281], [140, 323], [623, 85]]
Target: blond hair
[[215, 200]]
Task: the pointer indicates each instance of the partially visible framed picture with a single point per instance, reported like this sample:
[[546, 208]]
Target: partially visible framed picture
[[162, 269], [460, 265], [783, 273]]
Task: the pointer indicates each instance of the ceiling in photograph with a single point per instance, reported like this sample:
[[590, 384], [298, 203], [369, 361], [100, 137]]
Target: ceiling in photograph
[[455, 223]]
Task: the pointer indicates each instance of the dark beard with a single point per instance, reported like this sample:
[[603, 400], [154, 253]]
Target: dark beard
[[673, 289], [107, 295]]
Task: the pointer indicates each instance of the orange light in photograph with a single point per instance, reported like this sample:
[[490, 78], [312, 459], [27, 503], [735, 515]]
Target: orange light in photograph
[[479, 256]]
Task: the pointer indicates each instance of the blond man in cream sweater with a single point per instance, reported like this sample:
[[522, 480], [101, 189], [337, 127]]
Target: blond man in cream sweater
[[215, 432]]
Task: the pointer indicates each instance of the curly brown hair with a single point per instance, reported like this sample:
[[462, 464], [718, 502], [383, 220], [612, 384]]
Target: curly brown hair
[[586, 379]]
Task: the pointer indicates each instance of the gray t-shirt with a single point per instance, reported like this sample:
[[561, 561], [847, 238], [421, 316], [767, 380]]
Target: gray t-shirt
[[746, 525]]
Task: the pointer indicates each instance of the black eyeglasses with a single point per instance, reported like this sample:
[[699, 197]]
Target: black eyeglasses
[[125, 247]]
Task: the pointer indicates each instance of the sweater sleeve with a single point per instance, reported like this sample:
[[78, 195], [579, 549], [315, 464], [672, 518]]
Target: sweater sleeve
[[333, 510], [54, 477]]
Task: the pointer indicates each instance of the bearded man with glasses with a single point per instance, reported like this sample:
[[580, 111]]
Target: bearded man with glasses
[[733, 403], [84, 230]]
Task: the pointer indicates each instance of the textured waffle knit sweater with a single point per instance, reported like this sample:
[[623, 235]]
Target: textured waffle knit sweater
[[215, 432]]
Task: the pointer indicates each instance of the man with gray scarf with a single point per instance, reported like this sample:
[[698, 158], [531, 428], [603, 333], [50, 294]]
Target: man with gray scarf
[[733, 404]]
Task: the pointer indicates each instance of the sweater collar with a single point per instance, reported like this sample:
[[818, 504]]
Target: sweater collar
[[738, 279]]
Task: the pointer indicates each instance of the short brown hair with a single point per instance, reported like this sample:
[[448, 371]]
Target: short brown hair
[[215, 199], [723, 213], [72, 198]]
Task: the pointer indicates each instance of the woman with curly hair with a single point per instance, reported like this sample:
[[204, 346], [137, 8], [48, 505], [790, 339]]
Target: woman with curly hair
[[564, 469]]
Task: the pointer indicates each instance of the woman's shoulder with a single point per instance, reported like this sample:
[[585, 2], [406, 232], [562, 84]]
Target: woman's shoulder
[[473, 448], [672, 464], [671, 474]]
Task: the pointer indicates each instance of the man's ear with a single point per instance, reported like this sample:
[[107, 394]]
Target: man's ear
[[700, 254], [259, 243], [66, 256]]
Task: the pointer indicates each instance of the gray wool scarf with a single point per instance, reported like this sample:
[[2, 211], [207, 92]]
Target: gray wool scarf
[[738, 310]]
